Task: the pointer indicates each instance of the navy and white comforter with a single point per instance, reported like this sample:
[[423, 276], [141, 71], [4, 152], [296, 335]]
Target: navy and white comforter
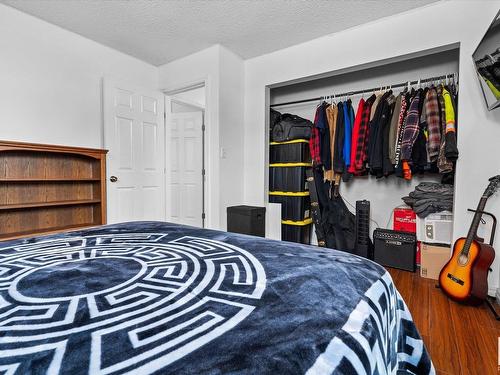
[[150, 297]]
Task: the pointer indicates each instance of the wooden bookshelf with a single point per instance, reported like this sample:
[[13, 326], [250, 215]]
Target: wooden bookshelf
[[49, 189]]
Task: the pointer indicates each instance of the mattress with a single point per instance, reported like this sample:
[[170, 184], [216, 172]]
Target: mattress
[[152, 297]]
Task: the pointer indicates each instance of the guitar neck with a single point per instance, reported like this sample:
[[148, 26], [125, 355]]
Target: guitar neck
[[475, 225]]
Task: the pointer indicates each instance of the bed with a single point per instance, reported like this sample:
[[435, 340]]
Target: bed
[[152, 297]]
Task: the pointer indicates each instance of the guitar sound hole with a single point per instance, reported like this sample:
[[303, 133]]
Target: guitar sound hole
[[463, 259]]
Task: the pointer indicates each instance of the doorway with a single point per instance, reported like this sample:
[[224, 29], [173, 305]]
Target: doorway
[[185, 156]]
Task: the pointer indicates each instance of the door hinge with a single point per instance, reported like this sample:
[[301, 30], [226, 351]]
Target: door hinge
[[203, 172], [164, 115], [203, 215], [203, 127]]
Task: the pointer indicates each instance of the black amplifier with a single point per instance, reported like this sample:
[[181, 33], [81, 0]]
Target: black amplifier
[[395, 249]]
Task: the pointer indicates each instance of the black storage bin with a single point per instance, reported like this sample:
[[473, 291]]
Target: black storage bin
[[288, 176], [294, 206], [295, 151], [296, 231], [247, 220]]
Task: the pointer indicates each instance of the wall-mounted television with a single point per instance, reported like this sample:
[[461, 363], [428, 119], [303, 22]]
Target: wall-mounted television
[[487, 61]]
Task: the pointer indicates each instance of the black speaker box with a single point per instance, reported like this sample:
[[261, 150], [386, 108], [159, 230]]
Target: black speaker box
[[247, 220], [363, 245], [395, 249]]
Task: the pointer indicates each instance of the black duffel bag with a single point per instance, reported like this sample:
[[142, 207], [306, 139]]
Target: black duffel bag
[[291, 127], [274, 118]]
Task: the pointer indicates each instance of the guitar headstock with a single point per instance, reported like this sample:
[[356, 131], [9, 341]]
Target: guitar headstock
[[492, 187]]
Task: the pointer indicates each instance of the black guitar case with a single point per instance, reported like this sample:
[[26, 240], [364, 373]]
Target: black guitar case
[[335, 225]]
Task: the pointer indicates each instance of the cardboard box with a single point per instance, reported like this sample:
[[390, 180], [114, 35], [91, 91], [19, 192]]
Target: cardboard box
[[433, 258]]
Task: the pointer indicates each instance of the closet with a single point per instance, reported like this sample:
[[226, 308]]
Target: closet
[[383, 193]]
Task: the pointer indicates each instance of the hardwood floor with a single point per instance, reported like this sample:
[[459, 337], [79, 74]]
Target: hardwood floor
[[461, 340]]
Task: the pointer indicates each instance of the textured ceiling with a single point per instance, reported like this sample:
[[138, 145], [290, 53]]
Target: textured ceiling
[[159, 31]]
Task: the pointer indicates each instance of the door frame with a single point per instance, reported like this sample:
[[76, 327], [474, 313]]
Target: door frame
[[205, 219]]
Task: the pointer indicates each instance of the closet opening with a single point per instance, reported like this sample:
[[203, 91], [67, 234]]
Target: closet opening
[[302, 97], [185, 155]]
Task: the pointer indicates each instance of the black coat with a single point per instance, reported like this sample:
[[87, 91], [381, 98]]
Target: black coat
[[338, 156]]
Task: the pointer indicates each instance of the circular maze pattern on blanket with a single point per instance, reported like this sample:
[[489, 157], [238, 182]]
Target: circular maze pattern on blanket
[[124, 302]]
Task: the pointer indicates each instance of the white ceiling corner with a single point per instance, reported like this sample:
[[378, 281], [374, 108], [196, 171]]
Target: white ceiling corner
[[160, 31]]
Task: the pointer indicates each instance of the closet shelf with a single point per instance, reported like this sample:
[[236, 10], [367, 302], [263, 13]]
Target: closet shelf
[[57, 179], [20, 206]]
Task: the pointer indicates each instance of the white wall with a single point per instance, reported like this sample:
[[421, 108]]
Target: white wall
[[50, 81], [231, 107], [445, 23], [223, 72]]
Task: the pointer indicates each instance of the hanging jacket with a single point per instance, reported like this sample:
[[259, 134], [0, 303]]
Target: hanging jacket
[[363, 134], [433, 124], [393, 128], [378, 98], [444, 164], [331, 115], [375, 140], [399, 127], [387, 166], [314, 141], [419, 155], [451, 150], [381, 137], [324, 132], [355, 135], [347, 133], [398, 169], [338, 159], [488, 73], [494, 69], [411, 129], [374, 130]]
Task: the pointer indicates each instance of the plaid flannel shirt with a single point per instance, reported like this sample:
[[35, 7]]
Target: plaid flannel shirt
[[363, 133], [433, 124], [411, 129]]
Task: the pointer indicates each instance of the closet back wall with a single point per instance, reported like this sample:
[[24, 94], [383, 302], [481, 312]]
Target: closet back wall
[[51, 81], [384, 194]]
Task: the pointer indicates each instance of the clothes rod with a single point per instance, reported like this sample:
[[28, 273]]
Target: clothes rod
[[351, 93], [487, 57]]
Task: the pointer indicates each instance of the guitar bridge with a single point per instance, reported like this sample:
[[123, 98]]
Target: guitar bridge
[[455, 279]]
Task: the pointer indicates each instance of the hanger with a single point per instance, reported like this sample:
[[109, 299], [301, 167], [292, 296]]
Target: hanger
[[491, 58]]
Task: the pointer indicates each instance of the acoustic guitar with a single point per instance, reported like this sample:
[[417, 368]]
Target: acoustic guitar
[[465, 277]]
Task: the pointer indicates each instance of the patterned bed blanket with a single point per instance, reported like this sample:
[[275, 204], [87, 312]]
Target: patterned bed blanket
[[151, 297]]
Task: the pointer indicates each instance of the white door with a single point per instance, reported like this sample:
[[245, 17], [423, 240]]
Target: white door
[[134, 134], [185, 172]]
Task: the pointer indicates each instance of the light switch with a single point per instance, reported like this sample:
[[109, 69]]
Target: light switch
[[223, 153]]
